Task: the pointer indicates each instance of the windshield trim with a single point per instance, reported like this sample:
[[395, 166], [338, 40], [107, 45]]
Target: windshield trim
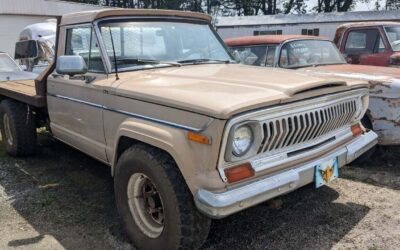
[[387, 37], [279, 53], [106, 58]]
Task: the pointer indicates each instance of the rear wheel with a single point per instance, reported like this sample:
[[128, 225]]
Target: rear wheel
[[155, 203], [18, 128]]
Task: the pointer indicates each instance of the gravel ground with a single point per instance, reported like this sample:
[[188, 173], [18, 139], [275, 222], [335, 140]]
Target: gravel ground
[[62, 199]]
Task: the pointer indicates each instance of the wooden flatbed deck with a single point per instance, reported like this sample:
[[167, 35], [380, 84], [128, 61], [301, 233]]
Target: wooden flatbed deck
[[24, 91]]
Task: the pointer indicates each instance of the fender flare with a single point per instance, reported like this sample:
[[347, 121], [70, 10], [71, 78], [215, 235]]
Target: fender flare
[[162, 137]]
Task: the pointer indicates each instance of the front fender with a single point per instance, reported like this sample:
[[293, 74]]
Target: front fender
[[155, 136], [384, 110], [197, 162]]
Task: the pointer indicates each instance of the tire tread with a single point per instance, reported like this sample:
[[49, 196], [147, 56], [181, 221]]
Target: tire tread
[[25, 128], [194, 226]]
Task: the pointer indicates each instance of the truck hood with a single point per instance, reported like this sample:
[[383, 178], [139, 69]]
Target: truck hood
[[223, 90], [364, 72]]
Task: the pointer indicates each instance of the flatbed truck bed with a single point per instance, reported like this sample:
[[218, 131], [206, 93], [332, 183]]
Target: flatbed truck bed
[[32, 92]]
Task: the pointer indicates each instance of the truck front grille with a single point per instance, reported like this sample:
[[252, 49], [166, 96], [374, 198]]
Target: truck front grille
[[303, 127]]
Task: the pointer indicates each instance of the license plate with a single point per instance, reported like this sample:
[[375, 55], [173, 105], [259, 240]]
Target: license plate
[[326, 172]]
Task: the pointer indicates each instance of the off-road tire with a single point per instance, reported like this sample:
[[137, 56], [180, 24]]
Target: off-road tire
[[184, 226], [22, 128], [367, 155]]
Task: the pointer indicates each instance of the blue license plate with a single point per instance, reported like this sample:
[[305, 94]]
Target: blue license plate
[[326, 172]]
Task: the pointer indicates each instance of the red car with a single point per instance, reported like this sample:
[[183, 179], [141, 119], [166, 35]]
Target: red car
[[320, 56], [370, 43]]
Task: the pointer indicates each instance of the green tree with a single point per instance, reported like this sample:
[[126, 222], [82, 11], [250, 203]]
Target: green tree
[[392, 4]]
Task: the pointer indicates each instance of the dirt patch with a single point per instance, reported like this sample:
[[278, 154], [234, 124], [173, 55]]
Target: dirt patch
[[62, 199]]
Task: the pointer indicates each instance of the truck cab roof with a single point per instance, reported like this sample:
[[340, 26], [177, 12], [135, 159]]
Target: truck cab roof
[[366, 24], [267, 39], [93, 15]]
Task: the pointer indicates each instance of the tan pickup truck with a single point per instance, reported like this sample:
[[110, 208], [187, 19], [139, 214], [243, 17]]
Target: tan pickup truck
[[189, 135]]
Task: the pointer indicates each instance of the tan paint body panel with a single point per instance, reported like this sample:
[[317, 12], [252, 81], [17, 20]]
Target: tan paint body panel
[[368, 71], [220, 90], [93, 15]]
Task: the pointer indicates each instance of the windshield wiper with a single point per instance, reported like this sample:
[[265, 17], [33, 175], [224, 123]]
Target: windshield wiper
[[147, 61], [198, 61]]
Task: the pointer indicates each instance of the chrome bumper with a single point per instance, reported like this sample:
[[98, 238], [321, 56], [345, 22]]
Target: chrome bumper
[[221, 204]]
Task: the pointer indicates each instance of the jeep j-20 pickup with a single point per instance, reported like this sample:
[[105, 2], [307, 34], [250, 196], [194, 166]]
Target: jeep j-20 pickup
[[189, 134]]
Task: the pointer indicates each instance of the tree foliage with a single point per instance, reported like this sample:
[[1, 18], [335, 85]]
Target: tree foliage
[[246, 7], [392, 4]]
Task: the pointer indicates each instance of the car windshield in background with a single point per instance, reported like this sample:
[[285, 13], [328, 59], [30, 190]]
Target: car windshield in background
[[304, 53], [257, 55], [393, 34], [7, 64], [151, 44]]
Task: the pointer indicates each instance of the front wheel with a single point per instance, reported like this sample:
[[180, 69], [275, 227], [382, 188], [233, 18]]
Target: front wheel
[[155, 203]]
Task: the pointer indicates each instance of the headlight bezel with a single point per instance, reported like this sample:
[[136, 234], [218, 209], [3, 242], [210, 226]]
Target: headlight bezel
[[255, 128], [250, 140]]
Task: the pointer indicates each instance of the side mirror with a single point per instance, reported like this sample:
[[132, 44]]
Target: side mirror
[[349, 60], [71, 65], [394, 60], [28, 49]]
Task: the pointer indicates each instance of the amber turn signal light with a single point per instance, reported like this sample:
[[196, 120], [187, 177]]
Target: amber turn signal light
[[198, 138], [239, 173], [356, 130]]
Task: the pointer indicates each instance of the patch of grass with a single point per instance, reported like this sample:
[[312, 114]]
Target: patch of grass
[[43, 203], [373, 247]]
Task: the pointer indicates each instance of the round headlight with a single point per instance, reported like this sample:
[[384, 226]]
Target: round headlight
[[242, 140]]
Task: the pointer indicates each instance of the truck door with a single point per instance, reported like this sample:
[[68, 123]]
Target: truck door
[[75, 105], [366, 46]]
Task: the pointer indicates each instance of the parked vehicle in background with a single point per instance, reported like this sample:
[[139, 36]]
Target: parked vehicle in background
[[189, 134], [320, 56], [10, 70], [370, 43], [36, 46]]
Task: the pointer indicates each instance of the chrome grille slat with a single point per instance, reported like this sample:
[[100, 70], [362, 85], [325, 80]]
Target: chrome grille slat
[[281, 133], [295, 129], [292, 130], [273, 136], [333, 118], [317, 124], [313, 126], [286, 129], [302, 128]]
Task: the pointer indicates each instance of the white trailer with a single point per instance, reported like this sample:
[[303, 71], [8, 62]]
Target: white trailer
[[15, 15]]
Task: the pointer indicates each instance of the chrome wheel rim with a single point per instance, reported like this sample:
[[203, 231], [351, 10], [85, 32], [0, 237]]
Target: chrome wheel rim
[[7, 129], [145, 205]]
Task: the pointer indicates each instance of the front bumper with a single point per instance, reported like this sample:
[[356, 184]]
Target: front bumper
[[221, 204]]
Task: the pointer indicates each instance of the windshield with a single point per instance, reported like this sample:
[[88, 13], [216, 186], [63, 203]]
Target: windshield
[[393, 34], [7, 64], [142, 44], [304, 53], [257, 55]]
